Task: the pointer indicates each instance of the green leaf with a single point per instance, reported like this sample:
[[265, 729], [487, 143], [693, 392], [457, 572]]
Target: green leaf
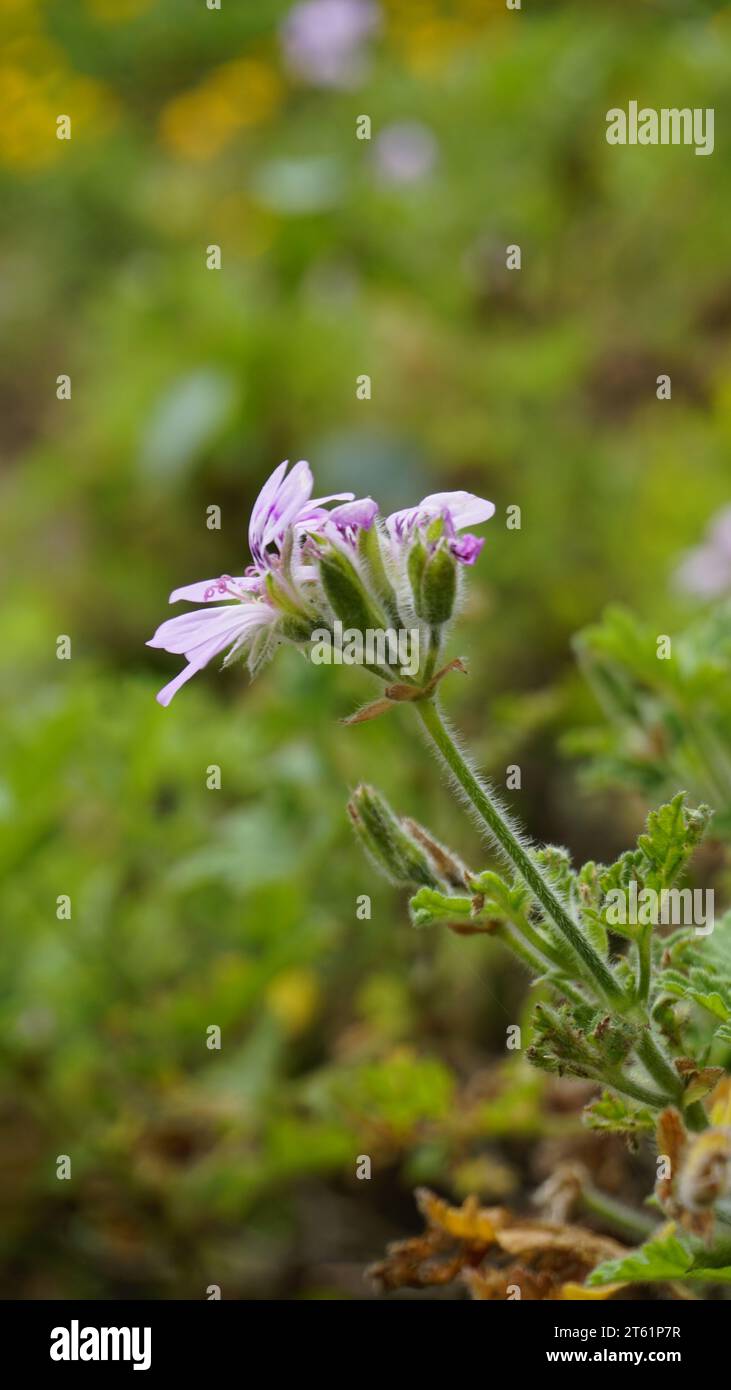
[[659, 1260], [615, 1115], [698, 970], [673, 831]]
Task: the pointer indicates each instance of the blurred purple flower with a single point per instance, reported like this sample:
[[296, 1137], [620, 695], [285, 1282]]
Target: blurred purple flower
[[706, 570], [323, 40], [405, 153], [456, 510]]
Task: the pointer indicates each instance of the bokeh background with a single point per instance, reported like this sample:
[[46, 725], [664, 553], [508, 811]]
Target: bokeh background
[[238, 907]]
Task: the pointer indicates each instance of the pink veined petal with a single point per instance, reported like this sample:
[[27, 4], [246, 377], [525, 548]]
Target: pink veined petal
[[359, 511], [201, 639], [188, 631], [269, 490], [260, 509], [316, 505], [165, 695], [291, 496], [198, 659], [464, 508], [402, 521], [206, 590]]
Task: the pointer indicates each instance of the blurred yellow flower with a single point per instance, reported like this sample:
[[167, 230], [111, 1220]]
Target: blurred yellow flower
[[428, 32], [293, 998], [198, 123], [33, 103]]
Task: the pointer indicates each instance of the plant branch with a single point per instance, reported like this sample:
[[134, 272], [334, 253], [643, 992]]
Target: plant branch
[[497, 825]]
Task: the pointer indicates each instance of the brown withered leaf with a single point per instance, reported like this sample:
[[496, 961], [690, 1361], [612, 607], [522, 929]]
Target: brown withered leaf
[[700, 1169], [415, 692], [417, 1263], [487, 1284], [557, 1243], [548, 1259], [451, 869], [470, 1223], [671, 1141], [699, 1081], [371, 711]]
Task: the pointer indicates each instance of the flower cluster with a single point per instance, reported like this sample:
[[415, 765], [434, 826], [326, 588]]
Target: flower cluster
[[315, 564]]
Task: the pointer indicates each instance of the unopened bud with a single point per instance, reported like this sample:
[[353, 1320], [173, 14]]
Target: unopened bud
[[439, 587], [393, 849], [346, 593], [371, 554]]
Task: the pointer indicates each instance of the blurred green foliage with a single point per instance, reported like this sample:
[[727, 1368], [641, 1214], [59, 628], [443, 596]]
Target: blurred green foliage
[[190, 906]]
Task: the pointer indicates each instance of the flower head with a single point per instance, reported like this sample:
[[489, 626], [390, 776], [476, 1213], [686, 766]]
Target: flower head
[[272, 589], [456, 510], [314, 564], [426, 547]]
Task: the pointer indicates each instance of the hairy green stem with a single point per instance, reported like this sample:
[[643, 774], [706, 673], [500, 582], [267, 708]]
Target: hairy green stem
[[644, 954], [623, 1218], [659, 1068], [498, 827], [634, 1089]]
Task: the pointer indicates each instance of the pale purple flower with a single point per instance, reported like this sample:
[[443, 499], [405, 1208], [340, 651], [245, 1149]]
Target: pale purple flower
[[405, 152], [706, 570], [283, 507], [342, 525], [456, 509], [324, 40], [284, 502]]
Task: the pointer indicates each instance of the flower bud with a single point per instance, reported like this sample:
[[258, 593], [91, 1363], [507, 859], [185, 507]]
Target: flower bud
[[346, 592], [439, 587], [396, 852], [415, 570], [371, 554]]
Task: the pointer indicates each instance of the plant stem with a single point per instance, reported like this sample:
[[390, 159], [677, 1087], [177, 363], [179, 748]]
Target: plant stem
[[634, 1089], [695, 1117], [644, 954], [539, 943], [653, 1060], [635, 1224], [498, 827]]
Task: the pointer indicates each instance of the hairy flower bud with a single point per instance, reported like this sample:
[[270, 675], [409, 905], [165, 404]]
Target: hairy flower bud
[[371, 555], [394, 850], [439, 587], [346, 592]]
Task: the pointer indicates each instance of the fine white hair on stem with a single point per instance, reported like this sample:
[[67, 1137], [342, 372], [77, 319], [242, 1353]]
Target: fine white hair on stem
[[505, 815]]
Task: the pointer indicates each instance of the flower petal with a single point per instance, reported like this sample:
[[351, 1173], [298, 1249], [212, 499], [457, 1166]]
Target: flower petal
[[466, 548], [289, 498], [188, 631], [464, 508], [204, 633], [225, 586]]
